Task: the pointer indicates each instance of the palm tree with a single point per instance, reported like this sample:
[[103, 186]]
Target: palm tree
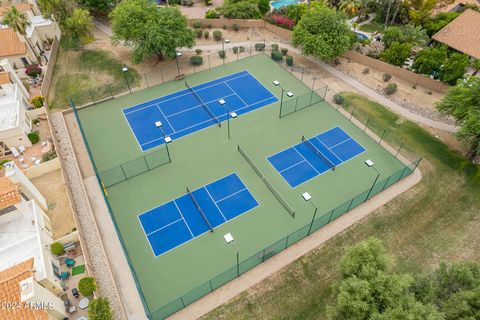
[[420, 9], [350, 7], [19, 22], [415, 34]]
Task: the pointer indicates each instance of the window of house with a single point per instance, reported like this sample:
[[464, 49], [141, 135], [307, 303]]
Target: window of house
[[24, 61], [7, 210]]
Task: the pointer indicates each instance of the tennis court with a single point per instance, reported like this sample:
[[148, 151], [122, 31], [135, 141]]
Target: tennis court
[[165, 229], [315, 156], [195, 108], [195, 213]]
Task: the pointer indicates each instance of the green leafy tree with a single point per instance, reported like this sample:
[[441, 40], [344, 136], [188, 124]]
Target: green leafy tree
[[350, 7], [369, 290], [323, 33], [464, 305], [436, 23], [100, 6], [245, 9], [476, 65], [87, 286], [463, 103], [150, 30], [264, 6], [79, 24], [429, 61], [296, 12], [454, 68], [99, 309], [59, 9], [420, 10], [391, 35], [397, 53]]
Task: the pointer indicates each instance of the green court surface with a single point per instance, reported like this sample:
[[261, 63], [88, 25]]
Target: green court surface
[[208, 155]]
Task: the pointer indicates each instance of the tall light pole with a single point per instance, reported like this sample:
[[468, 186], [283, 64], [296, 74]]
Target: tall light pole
[[125, 70], [307, 197], [229, 240], [290, 94], [229, 115], [369, 163], [223, 48], [177, 55]]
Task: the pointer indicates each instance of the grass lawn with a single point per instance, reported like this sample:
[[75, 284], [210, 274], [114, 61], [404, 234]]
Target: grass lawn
[[437, 220], [371, 27], [81, 70]]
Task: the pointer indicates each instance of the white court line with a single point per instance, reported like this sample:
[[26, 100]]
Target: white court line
[[290, 166], [236, 110], [166, 119], [164, 226], [235, 92], [216, 205], [183, 94], [328, 150], [229, 195], [305, 159], [349, 138], [199, 105], [186, 223], [131, 129]]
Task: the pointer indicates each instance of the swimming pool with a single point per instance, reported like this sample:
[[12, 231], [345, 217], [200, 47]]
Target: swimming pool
[[283, 3], [361, 36]]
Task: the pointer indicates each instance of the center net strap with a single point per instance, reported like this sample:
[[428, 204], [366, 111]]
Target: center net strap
[[200, 210], [219, 123], [318, 153]]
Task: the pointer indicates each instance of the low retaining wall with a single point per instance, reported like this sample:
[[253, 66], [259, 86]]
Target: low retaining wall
[[220, 23], [42, 168], [401, 73], [47, 78]]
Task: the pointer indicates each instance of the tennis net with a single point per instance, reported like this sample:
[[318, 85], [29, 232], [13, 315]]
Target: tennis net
[[219, 123], [318, 153], [200, 210]]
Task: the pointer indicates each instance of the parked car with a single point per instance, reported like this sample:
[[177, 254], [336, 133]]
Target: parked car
[[75, 293]]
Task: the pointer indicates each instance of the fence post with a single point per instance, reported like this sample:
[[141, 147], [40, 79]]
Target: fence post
[[398, 151], [296, 103], [161, 74], [303, 71], [238, 264], [313, 85], [350, 205], [209, 67], [211, 287], [146, 163], [325, 94], [123, 171], [91, 96], [146, 80], [110, 90], [263, 255], [383, 134], [311, 97], [330, 218], [351, 114], [366, 124], [183, 303], [286, 242]]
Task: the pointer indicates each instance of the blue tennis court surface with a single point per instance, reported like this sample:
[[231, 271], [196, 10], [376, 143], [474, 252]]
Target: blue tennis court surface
[[178, 221], [183, 112], [301, 163]]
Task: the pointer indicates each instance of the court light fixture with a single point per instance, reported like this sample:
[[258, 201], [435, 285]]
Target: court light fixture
[[276, 83], [369, 163], [290, 94], [307, 197], [233, 114], [124, 69], [228, 237], [158, 124], [221, 101], [179, 54], [227, 41]]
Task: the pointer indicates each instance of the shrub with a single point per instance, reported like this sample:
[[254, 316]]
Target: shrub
[[187, 3], [274, 47], [396, 54], [33, 70], [235, 49], [197, 24], [57, 248], [224, 27], [259, 46], [87, 286], [99, 309], [38, 101], [284, 51], [211, 14], [207, 2], [391, 88], [34, 137], [198, 33], [206, 34], [281, 21], [366, 71], [339, 99], [277, 55], [242, 49], [198, 51], [289, 60], [210, 26], [49, 156], [236, 27], [217, 35], [36, 121], [246, 9], [222, 53], [196, 60], [387, 76]]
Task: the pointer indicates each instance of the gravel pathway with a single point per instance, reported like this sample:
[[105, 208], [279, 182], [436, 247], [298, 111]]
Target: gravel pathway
[[87, 228]]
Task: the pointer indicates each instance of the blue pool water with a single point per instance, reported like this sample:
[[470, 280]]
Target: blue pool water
[[361, 36], [283, 3]]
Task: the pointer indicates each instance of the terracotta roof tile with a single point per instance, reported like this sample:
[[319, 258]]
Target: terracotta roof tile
[[4, 78], [9, 193], [10, 291], [11, 44], [24, 6], [451, 6], [462, 34]]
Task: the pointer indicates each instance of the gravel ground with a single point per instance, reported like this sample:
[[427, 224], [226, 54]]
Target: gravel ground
[[87, 228]]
